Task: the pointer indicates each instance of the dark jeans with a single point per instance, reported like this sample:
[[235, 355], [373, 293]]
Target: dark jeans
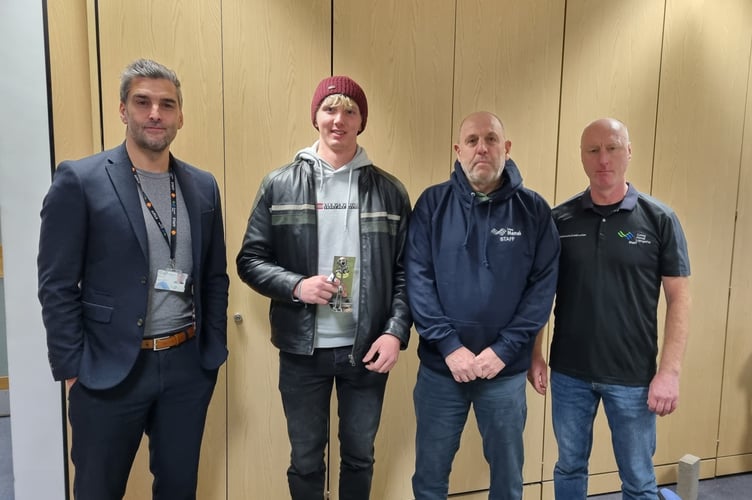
[[305, 383], [165, 395]]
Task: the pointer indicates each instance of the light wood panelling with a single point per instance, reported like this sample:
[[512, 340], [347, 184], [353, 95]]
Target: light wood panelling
[[529, 492], [611, 68], [733, 465], [400, 52], [73, 97], [735, 430], [507, 64], [185, 36], [275, 53], [698, 147]]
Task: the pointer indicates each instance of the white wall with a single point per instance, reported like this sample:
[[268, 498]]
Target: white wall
[[36, 418]]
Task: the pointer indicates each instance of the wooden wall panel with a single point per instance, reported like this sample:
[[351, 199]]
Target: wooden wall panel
[[401, 53], [508, 61], [184, 35], [274, 53], [698, 147], [735, 429], [611, 68], [529, 492], [73, 98]]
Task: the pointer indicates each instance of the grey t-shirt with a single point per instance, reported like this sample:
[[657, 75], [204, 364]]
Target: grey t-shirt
[[168, 311]]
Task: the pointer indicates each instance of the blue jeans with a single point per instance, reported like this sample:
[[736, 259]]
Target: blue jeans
[[574, 405], [305, 383], [441, 409]]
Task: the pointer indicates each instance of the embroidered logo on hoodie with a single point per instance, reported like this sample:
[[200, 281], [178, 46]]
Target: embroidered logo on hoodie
[[506, 233]]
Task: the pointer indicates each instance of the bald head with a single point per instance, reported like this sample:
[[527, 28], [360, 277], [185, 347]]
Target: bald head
[[606, 125], [483, 116]]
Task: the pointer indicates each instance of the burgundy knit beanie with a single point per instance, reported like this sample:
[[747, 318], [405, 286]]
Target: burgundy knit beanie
[[340, 85]]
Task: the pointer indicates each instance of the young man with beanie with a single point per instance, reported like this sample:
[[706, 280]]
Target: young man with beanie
[[325, 242], [482, 260]]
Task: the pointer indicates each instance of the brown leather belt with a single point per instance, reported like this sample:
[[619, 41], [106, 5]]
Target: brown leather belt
[[168, 341]]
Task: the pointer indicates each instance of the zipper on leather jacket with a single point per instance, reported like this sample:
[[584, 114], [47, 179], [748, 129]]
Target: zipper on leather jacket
[[351, 358]]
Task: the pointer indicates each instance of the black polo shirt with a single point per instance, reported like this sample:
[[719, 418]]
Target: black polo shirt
[[610, 271]]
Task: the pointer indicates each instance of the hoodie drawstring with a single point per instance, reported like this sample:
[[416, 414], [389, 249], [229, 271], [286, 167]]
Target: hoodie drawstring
[[470, 220], [471, 224], [349, 193], [486, 232]]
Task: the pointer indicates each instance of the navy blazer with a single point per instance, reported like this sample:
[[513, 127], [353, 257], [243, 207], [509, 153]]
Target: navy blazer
[[93, 267]]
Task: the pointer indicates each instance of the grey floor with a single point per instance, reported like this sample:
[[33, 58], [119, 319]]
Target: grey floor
[[736, 487], [6, 461]]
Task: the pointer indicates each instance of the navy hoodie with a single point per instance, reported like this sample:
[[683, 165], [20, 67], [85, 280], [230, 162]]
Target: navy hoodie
[[481, 271]]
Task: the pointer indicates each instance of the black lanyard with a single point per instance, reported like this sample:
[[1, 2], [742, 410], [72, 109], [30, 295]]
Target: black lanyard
[[172, 239]]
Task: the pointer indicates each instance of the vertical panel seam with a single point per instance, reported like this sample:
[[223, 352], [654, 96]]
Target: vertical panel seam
[[99, 73], [224, 219], [454, 86], [561, 97], [331, 38], [658, 97]]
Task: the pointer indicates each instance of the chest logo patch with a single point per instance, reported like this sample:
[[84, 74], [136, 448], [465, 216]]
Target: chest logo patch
[[506, 233], [634, 239]]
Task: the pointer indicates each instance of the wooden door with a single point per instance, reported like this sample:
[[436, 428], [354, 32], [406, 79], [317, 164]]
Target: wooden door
[[275, 53]]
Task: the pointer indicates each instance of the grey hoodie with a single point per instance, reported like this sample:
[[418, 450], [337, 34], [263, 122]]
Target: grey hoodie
[[337, 216]]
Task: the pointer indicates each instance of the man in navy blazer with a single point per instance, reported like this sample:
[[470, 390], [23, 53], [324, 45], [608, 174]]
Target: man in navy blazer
[[133, 287]]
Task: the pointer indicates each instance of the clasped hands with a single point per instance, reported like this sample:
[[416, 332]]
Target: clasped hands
[[466, 366]]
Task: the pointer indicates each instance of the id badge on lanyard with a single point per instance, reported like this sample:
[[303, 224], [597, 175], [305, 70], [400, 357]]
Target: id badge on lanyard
[[171, 278]]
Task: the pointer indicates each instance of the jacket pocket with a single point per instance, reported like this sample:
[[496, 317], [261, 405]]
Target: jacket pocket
[[96, 312]]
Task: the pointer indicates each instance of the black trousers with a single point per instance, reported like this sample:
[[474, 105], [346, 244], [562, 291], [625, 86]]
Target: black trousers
[[166, 396], [306, 383]]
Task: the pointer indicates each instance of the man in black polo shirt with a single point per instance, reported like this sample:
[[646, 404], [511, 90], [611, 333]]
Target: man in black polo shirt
[[618, 246]]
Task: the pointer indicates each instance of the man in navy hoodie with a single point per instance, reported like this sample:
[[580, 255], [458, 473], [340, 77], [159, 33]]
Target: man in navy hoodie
[[482, 262]]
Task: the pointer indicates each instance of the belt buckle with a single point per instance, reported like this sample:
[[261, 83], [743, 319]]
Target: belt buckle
[[155, 340]]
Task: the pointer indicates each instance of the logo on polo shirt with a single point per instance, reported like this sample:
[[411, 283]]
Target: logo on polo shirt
[[628, 235], [635, 239], [506, 233]]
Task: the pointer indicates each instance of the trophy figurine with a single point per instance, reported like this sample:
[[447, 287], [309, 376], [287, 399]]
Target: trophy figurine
[[342, 271]]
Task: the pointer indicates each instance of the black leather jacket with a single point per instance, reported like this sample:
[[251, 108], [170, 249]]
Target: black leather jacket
[[280, 247]]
